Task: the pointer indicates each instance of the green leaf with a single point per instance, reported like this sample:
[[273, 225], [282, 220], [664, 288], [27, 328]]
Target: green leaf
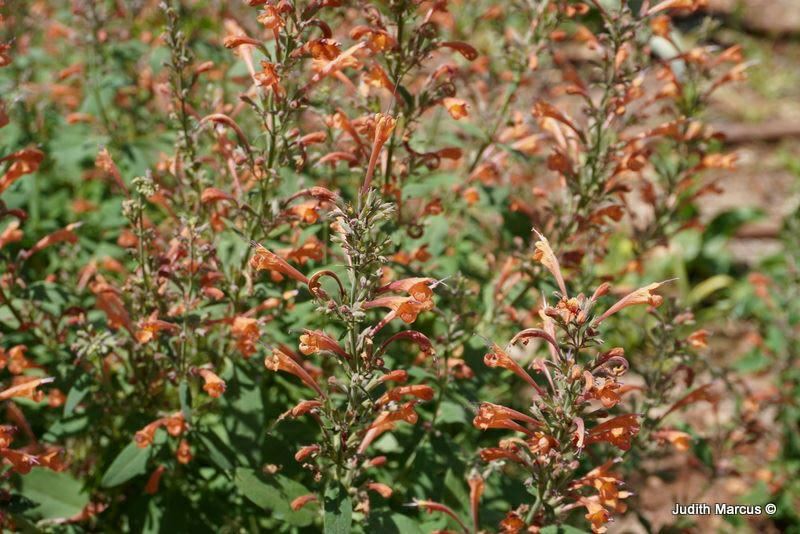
[[131, 462], [219, 451], [185, 396], [77, 392], [274, 493], [58, 495], [387, 523], [338, 510]]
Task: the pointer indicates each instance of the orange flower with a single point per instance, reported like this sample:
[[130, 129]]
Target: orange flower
[[498, 358], [214, 385], [457, 108], [65, 234], [301, 408], [302, 500], [235, 41], [105, 162], [321, 49], [682, 5], [150, 329], [419, 288], [386, 421], [679, 440], [382, 489], [271, 18], [306, 451], [698, 339], [246, 332], [490, 414], [264, 260], [268, 77], [24, 161], [489, 418], [431, 506], [184, 452], [618, 431], [314, 341], [10, 234], [491, 454], [399, 375], [144, 437], [21, 462], [25, 387], [151, 488], [212, 194], [419, 391], [703, 393], [545, 255], [7, 435], [383, 127], [108, 300], [606, 390], [643, 295], [596, 514], [476, 488], [377, 40], [175, 424], [280, 361]]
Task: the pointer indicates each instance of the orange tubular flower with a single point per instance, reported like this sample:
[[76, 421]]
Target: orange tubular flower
[[302, 408], [382, 489], [144, 437], [305, 452], [246, 332], [184, 452], [386, 421], [489, 413], [175, 424], [25, 387], [457, 108], [150, 329], [235, 41], [21, 462], [214, 385], [643, 295], [418, 288], [679, 440], [280, 361], [476, 488], [419, 391], [384, 126], [547, 257], [618, 431], [491, 454], [268, 77], [264, 260], [499, 358], [151, 488], [25, 161], [431, 506], [302, 500], [314, 341], [377, 40], [399, 375]]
